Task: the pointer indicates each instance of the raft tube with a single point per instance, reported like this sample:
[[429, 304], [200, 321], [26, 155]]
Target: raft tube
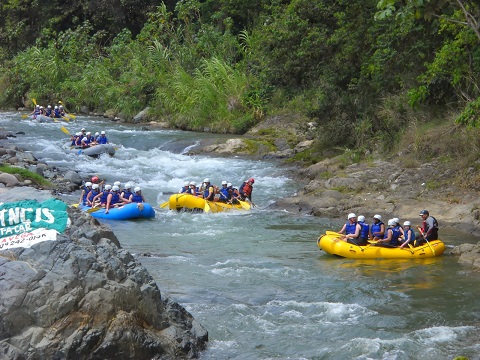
[[97, 150], [126, 212], [331, 244], [189, 202]]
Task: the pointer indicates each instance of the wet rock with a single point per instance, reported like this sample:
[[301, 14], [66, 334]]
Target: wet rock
[[83, 296]]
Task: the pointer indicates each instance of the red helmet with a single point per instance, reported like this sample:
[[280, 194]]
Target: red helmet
[[252, 180], [95, 179]]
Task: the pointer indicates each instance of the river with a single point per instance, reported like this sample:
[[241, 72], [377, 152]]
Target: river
[[257, 280]]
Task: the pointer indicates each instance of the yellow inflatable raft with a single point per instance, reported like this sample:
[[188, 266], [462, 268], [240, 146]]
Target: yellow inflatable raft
[[189, 202], [331, 244]]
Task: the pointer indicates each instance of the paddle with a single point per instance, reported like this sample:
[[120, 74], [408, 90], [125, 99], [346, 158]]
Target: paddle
[[94, 209], [25, 116], [65, 130], [207, 207], [244, 204], [431, 248], [164, 205]]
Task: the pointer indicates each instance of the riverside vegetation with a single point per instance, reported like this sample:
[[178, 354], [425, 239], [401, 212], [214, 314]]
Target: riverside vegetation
[[362, 80]]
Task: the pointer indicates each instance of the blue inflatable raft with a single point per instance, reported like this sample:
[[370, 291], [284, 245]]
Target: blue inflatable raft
[[126, 212]]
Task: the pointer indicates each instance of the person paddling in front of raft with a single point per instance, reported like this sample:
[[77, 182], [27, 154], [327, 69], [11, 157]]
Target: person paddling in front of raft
[[246, 190], [351, 229]]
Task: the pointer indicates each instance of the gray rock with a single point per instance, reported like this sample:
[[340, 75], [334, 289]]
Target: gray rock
[[83, 296], [9, 180], [141, 116], [73, 177]]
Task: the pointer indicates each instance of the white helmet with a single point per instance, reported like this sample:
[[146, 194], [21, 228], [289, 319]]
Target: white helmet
[[193, 183], [224, 182], [117, 183], [361, 218], [49, 106], [95, 186], [61, 106], [351, 215], [108, 187], [102, 133], [406, 223], [397, 220], [128, 185], [38, 106], [56, 107], [88, 183], [115, 188], [229, 184], [137, 189], [391, 222], [96, 134], [83, 129], [89, 133], [378, 217], [186, 183], [206, 180], [78, 134]]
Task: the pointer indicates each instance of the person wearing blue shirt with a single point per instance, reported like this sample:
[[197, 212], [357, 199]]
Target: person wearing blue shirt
[[102, 139]]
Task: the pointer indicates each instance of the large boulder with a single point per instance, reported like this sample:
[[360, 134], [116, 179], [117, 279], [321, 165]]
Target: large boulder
[[83, 297], [141, 116], [9, 180]]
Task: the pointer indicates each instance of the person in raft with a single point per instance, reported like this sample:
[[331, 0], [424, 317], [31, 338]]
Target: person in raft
[[428, 230], [351, 229]]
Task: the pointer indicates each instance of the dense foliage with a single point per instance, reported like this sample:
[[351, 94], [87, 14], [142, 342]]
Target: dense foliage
[[363, 70]]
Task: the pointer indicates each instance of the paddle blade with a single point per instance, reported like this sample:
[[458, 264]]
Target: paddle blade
[[71, 115], [34, 101], [24, 116], [65, 130], [65, 118], [245, 205], [207, 207], [94, 209], [165, 204]]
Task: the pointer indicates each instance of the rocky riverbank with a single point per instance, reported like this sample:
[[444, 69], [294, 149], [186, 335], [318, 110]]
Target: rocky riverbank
[[81, 296]]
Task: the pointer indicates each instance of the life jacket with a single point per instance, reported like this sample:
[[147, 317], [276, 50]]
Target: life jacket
[[246, 190], [374, 228], [224, 194], [350, 229], [103, 198], [92, 194], [56, 113], [102, 140], [115, 198], [410, 235], [48, 112], [184, 189], [210, 189], [126, 194], [395, 235], [364, 230], [137, 198]]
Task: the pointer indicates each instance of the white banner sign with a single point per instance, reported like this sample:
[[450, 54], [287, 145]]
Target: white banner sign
[[27, 239]]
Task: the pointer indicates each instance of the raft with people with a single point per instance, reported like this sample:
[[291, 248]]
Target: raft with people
[[92, 151], [124, 212], [188, 202], [332, 244]]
